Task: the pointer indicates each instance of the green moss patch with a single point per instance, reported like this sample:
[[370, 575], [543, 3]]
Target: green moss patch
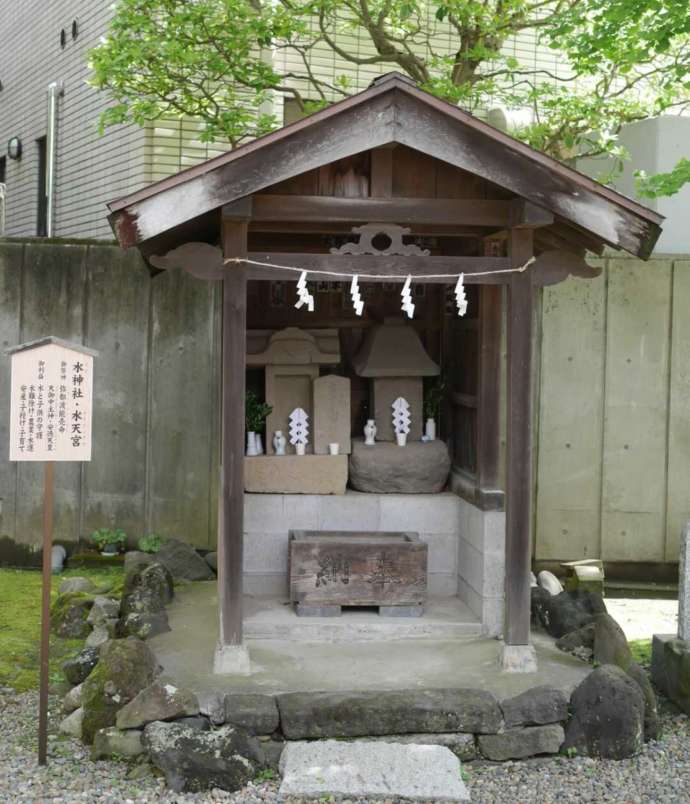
[[641, 650], [20, 625]]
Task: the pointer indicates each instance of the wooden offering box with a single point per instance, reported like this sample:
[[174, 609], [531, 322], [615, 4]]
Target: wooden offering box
[[331, 569]]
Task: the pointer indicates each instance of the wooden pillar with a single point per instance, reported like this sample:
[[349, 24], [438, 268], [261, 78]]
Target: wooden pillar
[[489, 392], [519, 444], [231, 521]]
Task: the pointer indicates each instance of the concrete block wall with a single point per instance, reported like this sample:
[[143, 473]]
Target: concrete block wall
[[269, 518], [481, 564]]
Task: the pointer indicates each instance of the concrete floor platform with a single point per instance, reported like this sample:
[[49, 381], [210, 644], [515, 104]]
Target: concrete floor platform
[[289, 664]]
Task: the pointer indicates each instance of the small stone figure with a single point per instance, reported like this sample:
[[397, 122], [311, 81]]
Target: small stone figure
[[370, 433], [279, 442]]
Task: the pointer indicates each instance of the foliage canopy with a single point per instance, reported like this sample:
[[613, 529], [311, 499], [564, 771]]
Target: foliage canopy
[[220, 61]]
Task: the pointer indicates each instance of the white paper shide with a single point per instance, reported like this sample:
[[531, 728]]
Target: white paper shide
[[51, 403]]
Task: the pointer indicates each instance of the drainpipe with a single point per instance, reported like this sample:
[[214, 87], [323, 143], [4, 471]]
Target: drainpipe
[[55, 90]]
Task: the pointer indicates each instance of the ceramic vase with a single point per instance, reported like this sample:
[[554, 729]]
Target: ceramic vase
[[401, 438], [370, 433], [279, 442], [430, 429], [259, 444], [251, 444]]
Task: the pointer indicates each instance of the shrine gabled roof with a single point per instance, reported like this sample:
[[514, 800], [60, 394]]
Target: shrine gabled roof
[[392, 110]]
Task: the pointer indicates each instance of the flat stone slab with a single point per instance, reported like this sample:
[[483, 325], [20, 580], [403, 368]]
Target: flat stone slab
[[371, 770], [296, 474]]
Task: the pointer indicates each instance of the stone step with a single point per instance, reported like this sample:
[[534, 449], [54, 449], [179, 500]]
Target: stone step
[[371, 770]]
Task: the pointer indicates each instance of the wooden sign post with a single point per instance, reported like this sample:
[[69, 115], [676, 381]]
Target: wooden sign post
[[50, 420]]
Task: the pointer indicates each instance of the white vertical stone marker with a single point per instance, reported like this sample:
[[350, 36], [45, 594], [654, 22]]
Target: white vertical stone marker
[[684, 585], [51, 401]]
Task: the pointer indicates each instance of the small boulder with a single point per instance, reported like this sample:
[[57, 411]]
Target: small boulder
[[198, 722], [521, 743], [98, 637], [112, 742], [610, 643], [72, 724], [212, 560], [579, 642], [252, 711], [79, 584], [651, 712], [104, 611], [569, 611], [78, 669], [136, 558], [547, 580], [147, 588], [194, 761], [69, 613], [535, 707], [124, 669], [539, 600], [142, 625], [157, 702], [183, 561], [72, 701], [607, 715]]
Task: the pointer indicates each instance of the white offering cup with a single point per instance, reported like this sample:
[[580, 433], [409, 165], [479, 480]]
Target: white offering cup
[[334, 449], [401, 438], [300, 449]]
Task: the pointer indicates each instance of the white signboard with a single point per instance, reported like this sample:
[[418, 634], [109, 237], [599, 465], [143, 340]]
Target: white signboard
[[51, 407]]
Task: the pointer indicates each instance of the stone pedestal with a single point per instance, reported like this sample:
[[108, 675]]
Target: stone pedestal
[[518, 659], [331, 414], [296, 474], [231, 660], [418, 468]]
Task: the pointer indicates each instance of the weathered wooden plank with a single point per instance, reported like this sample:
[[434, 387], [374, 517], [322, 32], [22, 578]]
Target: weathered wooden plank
[[231, 537], [180, 408], [11, 258], [114, 482], [52, 304], [571, 419], [357, 569], [637, 364], [519, 444], [678, 495]]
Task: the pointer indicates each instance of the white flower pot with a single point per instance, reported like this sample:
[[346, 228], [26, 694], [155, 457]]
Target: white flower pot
[[430, 429], [401, 438], [252, 449]]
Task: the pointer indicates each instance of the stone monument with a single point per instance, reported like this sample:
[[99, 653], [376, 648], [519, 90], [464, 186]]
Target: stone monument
[[331, 404], [395, 360]]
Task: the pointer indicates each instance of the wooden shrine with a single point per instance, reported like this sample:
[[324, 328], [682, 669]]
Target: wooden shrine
[[321, 195]]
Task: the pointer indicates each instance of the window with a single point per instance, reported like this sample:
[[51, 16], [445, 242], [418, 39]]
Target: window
[[42, 197]]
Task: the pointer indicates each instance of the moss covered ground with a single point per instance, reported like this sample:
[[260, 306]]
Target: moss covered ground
[[20, 624], [641, 650]]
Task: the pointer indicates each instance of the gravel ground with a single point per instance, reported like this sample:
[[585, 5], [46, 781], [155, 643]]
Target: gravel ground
[[660, 774]]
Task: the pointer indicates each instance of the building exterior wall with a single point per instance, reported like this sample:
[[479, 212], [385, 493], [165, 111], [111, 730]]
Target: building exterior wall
[[90, 169]]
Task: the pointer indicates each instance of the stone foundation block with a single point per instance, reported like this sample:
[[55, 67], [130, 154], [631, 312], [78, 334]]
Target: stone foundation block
[[521, 743], [255, 712], [296, 474]]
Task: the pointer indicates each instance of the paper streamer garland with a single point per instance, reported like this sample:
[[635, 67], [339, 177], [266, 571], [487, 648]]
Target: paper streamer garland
[[356, 296], [407, 306], [460, 297], [303, 294]]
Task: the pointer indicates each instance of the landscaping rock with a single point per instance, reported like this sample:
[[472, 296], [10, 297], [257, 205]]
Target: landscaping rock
[[71, 585], [98, 637], [212, 705], [579, 642], [193, 760], [104, 611], [385, 470], [198, 722], [461, 744], [69, 613], [183, 561], [157, 702], [547, 580], [147, 589], [535, 707], [651, 712], [112, 742], [72, 724], [521, 743], [72, 700], [137, 558], [78, 669], [569, 611], [677, 672], [212, 560], [607, 715], [361, 714], [610, 643], [539, 600], [124, 669], [370, 771], [254, 712], [142, 625]]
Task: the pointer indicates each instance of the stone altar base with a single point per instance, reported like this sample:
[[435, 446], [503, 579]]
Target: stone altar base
[[671, 668], [417, 468], [296, 474]]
